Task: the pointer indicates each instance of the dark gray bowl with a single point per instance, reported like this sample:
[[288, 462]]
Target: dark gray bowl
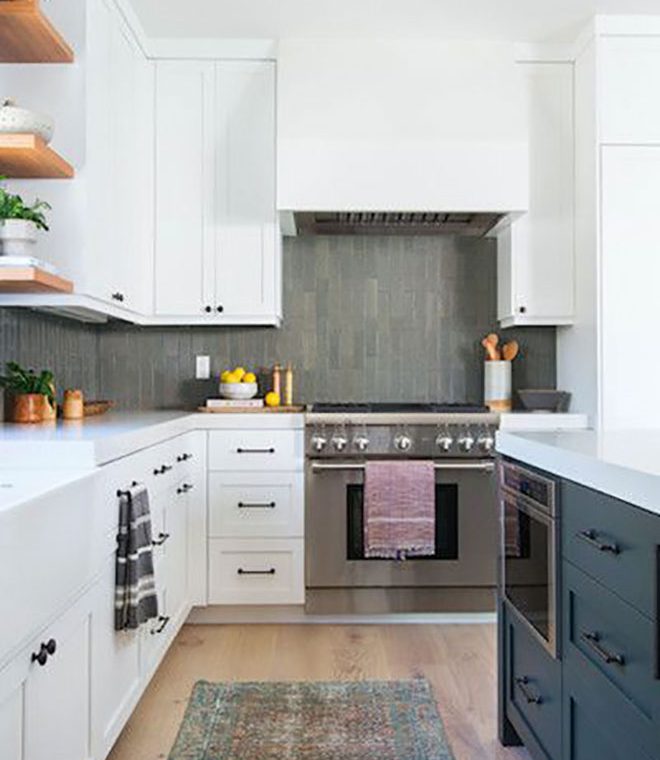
[[545, 400]]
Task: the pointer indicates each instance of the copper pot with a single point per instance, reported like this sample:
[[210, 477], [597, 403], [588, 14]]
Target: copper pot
[[28, 408]]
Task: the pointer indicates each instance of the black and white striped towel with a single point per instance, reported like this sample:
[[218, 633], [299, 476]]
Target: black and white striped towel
[[136, 600]]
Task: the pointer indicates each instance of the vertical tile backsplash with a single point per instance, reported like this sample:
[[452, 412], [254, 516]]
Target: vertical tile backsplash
[[365, 318]]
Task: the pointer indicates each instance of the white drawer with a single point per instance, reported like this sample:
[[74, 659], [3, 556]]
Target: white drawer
[[255, 450], [250, 571], [256, 505]]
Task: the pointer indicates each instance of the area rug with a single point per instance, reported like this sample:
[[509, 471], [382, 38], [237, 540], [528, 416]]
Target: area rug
[[380, 720]]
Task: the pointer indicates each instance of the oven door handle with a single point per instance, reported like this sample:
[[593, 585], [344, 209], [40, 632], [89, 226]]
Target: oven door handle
[[471, 466]]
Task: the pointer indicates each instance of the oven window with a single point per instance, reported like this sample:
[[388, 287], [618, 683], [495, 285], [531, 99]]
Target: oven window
[[527, 568], [446, 523]]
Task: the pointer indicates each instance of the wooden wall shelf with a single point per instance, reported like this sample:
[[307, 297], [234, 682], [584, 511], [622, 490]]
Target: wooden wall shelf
[[27, 36], [24, 156], [32, 280]]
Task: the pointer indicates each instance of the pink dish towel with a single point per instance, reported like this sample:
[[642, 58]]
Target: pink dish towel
[[399, 510]]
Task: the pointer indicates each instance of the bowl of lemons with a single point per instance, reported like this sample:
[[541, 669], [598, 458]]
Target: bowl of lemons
[[238, 384]]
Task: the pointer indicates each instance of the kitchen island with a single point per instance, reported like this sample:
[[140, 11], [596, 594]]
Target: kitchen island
[[579, 627]]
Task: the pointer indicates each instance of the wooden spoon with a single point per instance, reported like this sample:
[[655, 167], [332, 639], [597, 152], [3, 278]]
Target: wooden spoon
[[490, 344], [510, 350]]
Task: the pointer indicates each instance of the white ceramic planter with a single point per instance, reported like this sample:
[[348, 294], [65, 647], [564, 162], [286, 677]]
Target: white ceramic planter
[[497, 386], [17, 237]]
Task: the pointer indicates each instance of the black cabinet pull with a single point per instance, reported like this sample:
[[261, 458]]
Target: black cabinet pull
[[592, 640], [257, 505], [532, 699], [591, 537], [162, 470], [184, 457], [185, 488], [162, 538], [240, 571], [118, 297], [163, 620], [255, 451], [45, 651]]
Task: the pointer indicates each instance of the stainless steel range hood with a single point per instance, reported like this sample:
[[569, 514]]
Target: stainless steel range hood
[[394, 223]]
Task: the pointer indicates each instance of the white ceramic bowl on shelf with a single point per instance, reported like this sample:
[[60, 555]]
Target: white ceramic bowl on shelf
[[238, 391], [15, 120]]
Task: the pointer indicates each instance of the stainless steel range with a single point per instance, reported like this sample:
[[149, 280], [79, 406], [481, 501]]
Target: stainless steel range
[[340, 440]]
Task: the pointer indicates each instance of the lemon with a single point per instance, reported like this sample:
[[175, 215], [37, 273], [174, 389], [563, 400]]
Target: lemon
[[239, 372], [249, 377], [225, 376], [232, 378], [272, 399]]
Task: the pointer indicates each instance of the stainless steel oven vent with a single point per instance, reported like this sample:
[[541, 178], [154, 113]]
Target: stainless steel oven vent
[[395, 223]]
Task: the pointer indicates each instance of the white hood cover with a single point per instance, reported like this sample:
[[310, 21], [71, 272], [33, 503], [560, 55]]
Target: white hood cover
[[418, 125]]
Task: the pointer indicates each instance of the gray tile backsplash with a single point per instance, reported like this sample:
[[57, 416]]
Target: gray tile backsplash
[[366, 318]]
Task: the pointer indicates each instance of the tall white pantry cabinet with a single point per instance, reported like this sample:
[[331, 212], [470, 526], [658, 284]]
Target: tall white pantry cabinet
[[217, 237]]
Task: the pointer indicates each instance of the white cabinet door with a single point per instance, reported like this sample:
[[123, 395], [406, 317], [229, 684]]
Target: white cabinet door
[[184, 189], [56, 696], [536, 254], [247, 254], [115, 684], [176, 550], [630, 272], [12, 680]]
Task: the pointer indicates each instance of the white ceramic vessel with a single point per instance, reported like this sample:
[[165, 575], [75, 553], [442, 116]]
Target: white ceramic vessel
[[15, 120], [238, 391], [17, 237]]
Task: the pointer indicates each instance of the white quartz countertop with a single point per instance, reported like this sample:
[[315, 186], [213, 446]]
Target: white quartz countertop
[[98, 440], [533, 421], [624, 464]]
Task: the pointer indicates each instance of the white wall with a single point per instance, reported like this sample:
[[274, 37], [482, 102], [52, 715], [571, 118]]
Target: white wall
[[415, 125]]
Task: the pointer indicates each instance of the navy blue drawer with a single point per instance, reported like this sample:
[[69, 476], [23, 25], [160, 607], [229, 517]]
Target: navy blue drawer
[[533, 698], [614, 542], [612, 647]]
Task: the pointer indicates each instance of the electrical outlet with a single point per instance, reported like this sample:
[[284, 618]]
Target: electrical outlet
[[203, 367]]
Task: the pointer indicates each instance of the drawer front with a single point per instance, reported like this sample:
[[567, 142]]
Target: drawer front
[[533, 687], [613, 542], [256, 450], [613, 646], [256, 505], [246, 571]]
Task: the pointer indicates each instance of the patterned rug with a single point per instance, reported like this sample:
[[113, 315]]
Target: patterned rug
[[312, 721]]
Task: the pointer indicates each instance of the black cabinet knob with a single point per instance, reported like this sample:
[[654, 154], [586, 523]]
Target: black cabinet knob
[[208, 309], [220, 309], [45, 650], [51, 646], [118, 297], [522, 309]]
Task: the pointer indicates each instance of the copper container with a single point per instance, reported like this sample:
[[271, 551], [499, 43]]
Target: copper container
[[28, 408], [73, 407]]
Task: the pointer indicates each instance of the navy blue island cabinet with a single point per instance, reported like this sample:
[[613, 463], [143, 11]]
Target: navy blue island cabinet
[[595, 694]]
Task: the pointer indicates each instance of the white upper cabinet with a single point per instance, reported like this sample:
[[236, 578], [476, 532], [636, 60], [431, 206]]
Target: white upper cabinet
[[536, 254], [119, 164], [629, 107], [184, 188], [217, 240]]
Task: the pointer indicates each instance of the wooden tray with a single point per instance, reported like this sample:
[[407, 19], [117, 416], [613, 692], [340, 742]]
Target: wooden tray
[[253, 409]]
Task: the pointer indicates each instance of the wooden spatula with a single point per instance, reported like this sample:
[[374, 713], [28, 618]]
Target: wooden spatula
[[510, 350], [490, 344]]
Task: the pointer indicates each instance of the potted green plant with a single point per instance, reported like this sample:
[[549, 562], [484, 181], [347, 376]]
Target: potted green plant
[[19, 223], [31, 395]]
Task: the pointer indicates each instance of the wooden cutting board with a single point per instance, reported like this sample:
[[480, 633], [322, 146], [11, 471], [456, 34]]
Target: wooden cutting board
[[253, 409]]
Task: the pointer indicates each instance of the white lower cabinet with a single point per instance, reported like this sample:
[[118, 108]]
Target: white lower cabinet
[[44, 693], [256, 571]]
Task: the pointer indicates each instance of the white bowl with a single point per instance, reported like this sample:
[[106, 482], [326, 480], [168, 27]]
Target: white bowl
[[238, 391], [14, 120]]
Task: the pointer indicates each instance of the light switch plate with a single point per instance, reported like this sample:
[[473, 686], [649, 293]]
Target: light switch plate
[[203, 367]]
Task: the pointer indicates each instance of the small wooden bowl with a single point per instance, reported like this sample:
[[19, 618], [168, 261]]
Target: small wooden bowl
[[95, 408]]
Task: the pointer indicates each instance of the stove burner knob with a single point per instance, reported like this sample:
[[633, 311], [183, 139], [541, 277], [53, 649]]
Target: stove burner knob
[[361, 443], [486, 443], [403, 442], [340, 442], [466, 442], [319, 443], [444, 442]]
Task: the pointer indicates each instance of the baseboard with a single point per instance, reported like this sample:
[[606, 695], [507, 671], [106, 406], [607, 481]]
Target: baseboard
[[295, 615]]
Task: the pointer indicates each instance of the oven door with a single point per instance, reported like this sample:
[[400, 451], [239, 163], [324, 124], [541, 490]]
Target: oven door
[[466, 530], [529, 565]]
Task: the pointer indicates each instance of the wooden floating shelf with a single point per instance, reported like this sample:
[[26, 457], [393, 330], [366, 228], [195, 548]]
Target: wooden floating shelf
[[32, 280], [26, 156], [27, 36]]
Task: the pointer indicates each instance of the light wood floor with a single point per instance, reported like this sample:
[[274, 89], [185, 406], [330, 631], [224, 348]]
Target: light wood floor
[[458, 660]]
